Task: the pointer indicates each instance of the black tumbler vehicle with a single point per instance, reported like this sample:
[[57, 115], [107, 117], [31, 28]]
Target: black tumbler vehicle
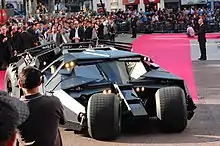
[[100, 86]]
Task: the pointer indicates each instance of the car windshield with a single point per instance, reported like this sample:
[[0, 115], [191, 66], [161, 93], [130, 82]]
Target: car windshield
[[120, 72], [136, 69], [115, 71], [86, 71], [123, 71]]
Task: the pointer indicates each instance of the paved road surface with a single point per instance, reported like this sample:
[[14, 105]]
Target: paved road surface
[[204, 129]]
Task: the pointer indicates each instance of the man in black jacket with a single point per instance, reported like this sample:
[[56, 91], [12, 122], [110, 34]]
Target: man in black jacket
[[46, 112], [134, 26], [88, 31], [27, 40], [76, 34], [112, 30], [202, 39], [16, 39]]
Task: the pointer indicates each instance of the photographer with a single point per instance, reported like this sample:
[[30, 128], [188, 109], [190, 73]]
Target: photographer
[[46, 112]]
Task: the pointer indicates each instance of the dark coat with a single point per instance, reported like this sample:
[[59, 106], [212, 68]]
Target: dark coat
[[133, 23], [31, 31], [112, 29], [101, 31], [88, 33], [80, 33], [5, 49], [201, 33], [27, 40], [16, 41]]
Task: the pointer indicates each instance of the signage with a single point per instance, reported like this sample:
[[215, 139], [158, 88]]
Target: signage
[[131, 2], [151, 1], [100, 7], [193, 2]]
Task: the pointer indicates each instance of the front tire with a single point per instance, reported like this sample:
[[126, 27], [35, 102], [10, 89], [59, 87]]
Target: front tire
[[103, 115], [8, 85], [171, 109]]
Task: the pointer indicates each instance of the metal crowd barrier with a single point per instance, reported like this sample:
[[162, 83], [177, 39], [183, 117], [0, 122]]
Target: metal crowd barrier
[[163, 27]]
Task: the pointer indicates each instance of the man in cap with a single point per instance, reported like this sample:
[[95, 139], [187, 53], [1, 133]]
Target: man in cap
[[13, 113]]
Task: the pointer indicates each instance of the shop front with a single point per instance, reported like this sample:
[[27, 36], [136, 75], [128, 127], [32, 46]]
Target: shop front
[[172, 4], [151, 4], [131, 4], [193, 3]]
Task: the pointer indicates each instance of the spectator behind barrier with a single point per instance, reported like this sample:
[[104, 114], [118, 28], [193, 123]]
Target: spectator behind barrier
[[190, 31]]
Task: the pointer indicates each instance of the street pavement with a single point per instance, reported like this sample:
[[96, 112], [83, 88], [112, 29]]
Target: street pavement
[[203, 129]]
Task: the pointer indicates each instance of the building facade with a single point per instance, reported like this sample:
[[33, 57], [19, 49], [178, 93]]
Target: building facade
[[112, 5], [143, 4]]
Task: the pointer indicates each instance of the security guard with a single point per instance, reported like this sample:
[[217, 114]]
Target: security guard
[[134, 26], [46, 112], [202, 39]]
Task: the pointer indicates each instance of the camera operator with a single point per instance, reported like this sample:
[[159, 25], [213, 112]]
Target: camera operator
[[46, 112]]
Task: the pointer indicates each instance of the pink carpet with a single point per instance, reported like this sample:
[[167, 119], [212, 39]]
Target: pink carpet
[[182, 35], [2, 75], [171, 52]]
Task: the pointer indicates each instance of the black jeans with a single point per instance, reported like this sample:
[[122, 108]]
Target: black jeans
[[134, 32], [112, 37], [202, 46]]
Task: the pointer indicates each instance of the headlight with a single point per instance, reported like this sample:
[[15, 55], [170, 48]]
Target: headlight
[[107, 91], [70, 64], [67, 65], [147, 59], [138, 89]]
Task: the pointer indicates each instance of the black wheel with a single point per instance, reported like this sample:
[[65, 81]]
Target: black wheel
[[171, 109], [104, 116]]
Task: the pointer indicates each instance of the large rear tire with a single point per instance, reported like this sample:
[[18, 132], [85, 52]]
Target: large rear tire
[[103, 115], [171, 109]]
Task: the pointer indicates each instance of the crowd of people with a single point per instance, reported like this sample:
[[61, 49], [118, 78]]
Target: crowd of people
[[18, 36], [168, 20]]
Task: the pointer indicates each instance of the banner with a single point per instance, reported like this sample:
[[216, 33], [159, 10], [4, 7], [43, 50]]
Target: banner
[[151, 1], [193, 2], [131, 2]]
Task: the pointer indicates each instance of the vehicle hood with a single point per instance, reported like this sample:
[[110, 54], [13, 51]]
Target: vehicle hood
[[74, 82], [161, 74]]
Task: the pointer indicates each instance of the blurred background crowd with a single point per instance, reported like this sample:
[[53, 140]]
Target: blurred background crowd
[[20, 33]]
